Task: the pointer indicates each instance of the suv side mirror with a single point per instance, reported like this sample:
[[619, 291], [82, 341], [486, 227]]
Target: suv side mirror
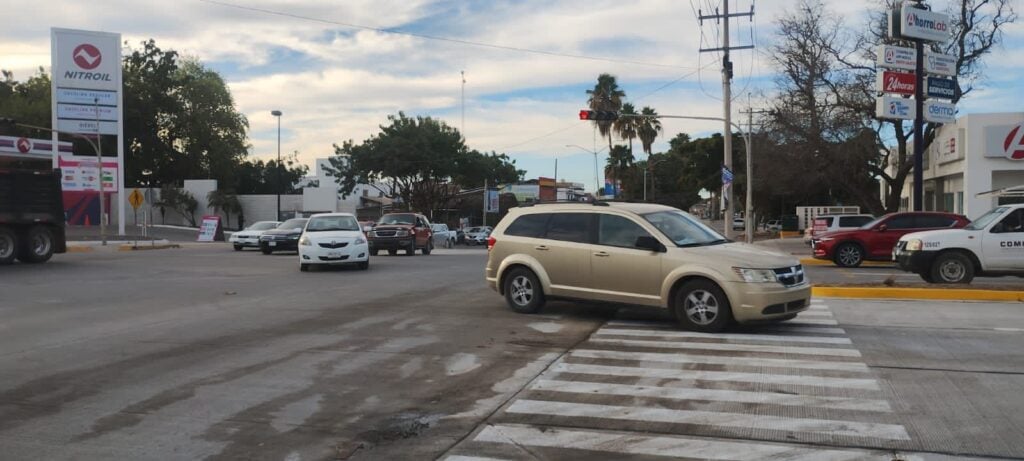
[[646, 242], [882, 228]]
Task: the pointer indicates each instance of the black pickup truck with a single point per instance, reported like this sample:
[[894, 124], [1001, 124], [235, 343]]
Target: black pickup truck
[[31, 215]]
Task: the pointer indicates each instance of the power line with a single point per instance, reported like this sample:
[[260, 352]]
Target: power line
[[441, 39]]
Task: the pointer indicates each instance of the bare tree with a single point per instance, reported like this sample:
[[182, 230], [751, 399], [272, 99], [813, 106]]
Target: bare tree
[[826, 99]]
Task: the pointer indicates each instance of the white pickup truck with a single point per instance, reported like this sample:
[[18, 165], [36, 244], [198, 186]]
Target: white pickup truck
[[992, 245]]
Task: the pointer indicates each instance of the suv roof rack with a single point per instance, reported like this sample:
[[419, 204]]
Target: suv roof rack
[[564, 202]]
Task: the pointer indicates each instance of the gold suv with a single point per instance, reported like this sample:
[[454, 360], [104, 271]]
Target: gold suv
[[641, 254]]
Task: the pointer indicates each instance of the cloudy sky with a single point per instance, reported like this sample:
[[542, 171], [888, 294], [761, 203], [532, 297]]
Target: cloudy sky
[[337, 69]]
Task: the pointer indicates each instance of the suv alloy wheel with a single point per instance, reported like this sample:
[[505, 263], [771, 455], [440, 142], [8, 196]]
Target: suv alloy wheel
[[700, 305], [523, 292]]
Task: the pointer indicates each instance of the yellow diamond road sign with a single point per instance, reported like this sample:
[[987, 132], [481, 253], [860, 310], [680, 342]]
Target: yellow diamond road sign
[[136, 199]]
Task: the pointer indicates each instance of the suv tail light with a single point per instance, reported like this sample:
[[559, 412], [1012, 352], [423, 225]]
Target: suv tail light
[[490, 243]]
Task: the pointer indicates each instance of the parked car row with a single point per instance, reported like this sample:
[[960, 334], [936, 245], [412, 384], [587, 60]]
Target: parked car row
[[329, 238], [875, 240]]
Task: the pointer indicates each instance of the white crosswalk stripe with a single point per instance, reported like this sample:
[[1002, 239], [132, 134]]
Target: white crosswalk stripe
[[775, 392]]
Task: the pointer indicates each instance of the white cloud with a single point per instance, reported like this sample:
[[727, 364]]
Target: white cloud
[[335, 83]]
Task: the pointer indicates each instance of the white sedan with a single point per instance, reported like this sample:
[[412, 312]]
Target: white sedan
[[250, 236], [333, 238]]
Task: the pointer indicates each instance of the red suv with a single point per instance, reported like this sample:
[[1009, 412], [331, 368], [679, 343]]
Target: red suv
[[401, 231], [875, 240]]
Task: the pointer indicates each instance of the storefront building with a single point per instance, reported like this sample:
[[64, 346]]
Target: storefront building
[[979, 153]]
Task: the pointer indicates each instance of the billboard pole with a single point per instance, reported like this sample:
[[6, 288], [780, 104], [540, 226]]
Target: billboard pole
[[919, 129], [99, 170]]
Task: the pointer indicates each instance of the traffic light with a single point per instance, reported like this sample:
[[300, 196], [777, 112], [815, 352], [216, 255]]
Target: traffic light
[[598, 115]]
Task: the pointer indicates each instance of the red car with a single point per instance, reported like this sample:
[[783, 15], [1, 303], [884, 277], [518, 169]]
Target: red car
[[875, 240]]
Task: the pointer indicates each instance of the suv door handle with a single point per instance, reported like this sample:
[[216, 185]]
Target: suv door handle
[[602, 254], [541, 247]]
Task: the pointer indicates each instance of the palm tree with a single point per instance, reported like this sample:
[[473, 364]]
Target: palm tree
[[648, 130], [627, 127], [226, 201], [619, 161], [606, 96]]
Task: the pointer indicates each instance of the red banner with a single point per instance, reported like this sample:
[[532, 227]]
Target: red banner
[[896, 82]]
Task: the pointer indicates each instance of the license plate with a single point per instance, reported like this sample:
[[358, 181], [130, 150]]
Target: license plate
[[333, 254], [273, 244]]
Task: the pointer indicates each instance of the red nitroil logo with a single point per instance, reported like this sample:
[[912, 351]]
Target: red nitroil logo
[[1013, 145], [87, 56], [24, 145]]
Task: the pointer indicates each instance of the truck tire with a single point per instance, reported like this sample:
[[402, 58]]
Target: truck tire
[[38, 246], [8, 246], [430, 247], [952, 267]]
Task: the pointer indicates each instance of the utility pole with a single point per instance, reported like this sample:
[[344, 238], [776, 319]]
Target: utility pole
[[726, 96], [749, 138], [463, 105], [486, 198]]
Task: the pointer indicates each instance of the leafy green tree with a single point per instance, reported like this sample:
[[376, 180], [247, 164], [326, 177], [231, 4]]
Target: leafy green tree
[[422, 161], [259, 177], [225, 201], [620, 161], [180, 119], [26, 102], [606, 96]]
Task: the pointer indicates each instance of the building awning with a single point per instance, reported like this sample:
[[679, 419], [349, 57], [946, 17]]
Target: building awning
[[1014, 191]]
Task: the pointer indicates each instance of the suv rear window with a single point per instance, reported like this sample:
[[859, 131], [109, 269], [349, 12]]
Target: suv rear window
[[531, 225], [854, 221], [570, 227], [929, 221]]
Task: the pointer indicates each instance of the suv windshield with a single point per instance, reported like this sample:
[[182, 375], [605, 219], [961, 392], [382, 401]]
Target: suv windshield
[[987, 218], [332, 223], [683, 229], [263, 225], [296, 223], [399, 219]]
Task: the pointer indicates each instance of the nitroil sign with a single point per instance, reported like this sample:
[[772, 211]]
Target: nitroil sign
[[923, 24], [944, 88], [939, 112], [895, 108], [940, 64], [86, 80], [896, 82], [897, 57]]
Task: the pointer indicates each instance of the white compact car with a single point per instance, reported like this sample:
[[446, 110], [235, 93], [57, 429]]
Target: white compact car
[[333, 238], [250, 236]]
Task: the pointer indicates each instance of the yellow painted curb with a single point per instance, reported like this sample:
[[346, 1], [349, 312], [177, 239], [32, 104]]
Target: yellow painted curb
[[790, 234], [957, 294], [79, 249], [825, 262]]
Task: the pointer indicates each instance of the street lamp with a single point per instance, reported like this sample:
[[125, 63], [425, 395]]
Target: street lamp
[[597, 185], [277, 113]]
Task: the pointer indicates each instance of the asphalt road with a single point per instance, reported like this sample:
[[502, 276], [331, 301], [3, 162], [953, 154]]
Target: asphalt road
[[207, 353]]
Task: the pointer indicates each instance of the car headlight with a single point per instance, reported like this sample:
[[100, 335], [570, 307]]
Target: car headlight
[[360, 241], [825, 239], [402, 233], [914, 245], [304, 241], [756, 275]]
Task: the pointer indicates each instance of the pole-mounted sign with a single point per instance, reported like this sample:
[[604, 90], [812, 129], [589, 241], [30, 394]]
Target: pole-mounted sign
[[892, 107], [904, 83], [942, 88], [940, 64], [916, 22], [896, 57]]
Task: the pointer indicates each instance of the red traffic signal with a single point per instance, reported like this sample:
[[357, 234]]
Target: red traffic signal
[[599, 115]]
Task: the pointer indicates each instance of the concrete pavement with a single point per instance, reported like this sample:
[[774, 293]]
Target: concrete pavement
[[204, 352]]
